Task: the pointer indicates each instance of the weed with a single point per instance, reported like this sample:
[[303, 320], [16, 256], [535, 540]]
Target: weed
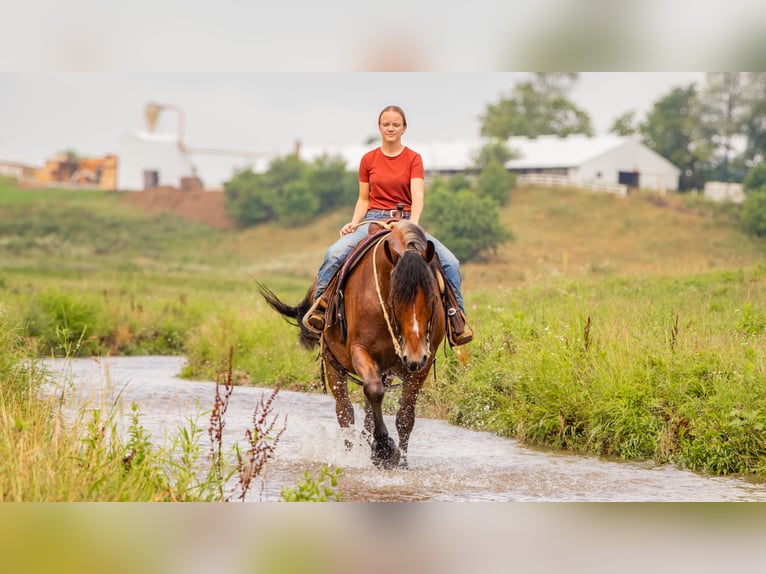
[[314, 489]]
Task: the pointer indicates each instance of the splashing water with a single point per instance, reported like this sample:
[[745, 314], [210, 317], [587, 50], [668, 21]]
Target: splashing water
[[446, 463]]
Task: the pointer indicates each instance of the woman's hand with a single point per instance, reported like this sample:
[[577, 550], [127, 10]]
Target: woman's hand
[[348, 228]]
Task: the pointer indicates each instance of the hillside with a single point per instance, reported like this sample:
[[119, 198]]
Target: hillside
[[584, 234], [202, 206], [557, 232]]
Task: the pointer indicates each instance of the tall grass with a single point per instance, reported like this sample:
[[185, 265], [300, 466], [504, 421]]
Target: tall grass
[[672, 370], [54, 449], [626, 328]]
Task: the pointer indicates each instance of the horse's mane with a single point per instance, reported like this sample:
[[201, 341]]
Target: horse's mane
[[411, 271], [413, 236]]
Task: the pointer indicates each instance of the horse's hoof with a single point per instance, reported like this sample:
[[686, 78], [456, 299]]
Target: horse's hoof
[[385, 455]]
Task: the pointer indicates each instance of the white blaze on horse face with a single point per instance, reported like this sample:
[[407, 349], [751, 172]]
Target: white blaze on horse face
[[415, 323]]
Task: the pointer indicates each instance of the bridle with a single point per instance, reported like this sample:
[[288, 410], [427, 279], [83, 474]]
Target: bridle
[[391, 322]]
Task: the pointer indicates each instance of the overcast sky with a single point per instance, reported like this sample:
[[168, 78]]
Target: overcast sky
[[42, 114]]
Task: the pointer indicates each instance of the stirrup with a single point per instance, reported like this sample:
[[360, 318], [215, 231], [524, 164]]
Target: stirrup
[[314, 319], [456, 328]]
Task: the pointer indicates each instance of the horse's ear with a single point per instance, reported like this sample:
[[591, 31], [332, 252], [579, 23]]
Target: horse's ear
[[429, 252], [391, 254]]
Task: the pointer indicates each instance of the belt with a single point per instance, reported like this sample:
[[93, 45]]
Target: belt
[[387, 213]]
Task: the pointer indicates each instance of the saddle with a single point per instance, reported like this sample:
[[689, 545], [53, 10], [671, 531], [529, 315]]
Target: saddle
[[335, 290]]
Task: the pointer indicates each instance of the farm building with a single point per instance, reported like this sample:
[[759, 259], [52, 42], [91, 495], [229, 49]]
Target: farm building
[[16, 170], [150, 159], [606, 160]]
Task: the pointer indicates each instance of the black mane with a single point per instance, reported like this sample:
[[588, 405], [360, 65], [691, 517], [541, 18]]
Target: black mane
[[411, 272]]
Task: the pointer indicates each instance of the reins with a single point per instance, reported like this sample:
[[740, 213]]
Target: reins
[[327, 355], [394, 340]]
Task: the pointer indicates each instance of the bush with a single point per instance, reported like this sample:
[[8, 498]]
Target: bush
[[755, 178], [247, 201], [468, 224], [291, 191], [754, 213], [496, 183], [64, 323]]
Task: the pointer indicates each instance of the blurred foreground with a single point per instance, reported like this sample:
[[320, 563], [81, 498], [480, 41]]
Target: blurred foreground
[[378, 538]]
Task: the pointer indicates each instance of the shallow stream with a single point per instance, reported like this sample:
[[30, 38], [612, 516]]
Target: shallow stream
[[446, 463]]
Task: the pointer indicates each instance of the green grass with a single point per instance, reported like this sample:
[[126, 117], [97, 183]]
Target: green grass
[[629, 328]]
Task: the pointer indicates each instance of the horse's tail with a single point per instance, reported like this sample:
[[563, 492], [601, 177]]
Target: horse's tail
[[293, 314]]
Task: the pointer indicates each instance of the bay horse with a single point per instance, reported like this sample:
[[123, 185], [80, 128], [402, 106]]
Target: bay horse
[[387, 322]]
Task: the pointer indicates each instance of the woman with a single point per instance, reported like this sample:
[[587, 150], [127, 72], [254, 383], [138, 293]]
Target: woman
[[388, 175]]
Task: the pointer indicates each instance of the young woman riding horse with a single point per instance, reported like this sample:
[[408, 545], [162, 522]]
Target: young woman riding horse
[[389, 175], [387, 322]]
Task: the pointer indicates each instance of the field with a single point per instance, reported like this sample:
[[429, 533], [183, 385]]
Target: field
[[628, 327]]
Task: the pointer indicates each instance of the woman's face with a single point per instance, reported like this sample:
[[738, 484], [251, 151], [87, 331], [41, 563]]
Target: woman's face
[[391, 126]]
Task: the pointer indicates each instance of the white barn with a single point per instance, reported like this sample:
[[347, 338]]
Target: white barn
[[601, 160], [606, 160], [155, 159], [149, 158]]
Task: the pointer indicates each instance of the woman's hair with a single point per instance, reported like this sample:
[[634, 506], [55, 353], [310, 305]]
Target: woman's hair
[[396, 109]]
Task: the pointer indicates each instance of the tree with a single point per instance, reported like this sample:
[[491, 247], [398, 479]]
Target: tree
[[724, 107], [332, 183], [493, 150], [755, 178], [296, 202], [291, 191], [625, 125], [754, 212], [468, 224], [754, 209], [247, 201], [495, 183], [672, 128], [537, 107], [755, 121]]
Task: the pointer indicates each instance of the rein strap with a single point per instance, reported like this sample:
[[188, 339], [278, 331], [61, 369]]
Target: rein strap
[[394, 340]]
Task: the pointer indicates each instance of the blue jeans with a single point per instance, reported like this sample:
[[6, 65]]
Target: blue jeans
[[337, 252]]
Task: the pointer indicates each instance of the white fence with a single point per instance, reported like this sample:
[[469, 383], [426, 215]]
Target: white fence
[[552, 180]]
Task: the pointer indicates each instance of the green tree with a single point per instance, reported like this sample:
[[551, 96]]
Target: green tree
[[755, 121], [493, 150], [724, 106], [540, 106], [468, 224], [754, 212], [296, 202], [291, 191], [672, 128], [248, 202], [334, 186], [754, 209], [755, 178], [625, 124], [495, 183]]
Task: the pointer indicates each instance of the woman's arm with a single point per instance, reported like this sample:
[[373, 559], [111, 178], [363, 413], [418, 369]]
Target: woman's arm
[[360, 209], [417, 189]]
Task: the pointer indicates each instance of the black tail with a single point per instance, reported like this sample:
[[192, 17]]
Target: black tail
[[293, 315]]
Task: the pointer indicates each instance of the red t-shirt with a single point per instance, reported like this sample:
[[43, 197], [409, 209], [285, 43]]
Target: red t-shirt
[[389, 177]]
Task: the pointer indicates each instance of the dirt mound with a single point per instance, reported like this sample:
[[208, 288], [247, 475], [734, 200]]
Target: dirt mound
[[203, 206]]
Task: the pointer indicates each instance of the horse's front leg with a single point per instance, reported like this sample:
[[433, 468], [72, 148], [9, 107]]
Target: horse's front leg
[[385, 454], [344, 408], [405, 416]]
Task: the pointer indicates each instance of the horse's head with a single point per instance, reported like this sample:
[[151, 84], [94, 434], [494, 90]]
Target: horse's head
[[418, 317]]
